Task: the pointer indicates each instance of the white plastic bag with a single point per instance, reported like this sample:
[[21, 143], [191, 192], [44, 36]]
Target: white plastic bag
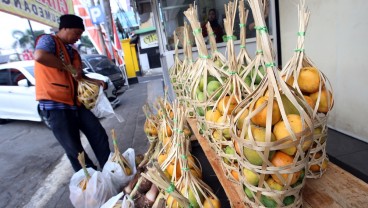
[[103, 108], [112, 202], [127, 202], [98, 191], [115, 173]]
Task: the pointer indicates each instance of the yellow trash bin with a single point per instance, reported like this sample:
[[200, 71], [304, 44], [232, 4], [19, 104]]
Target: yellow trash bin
[[130, 58]]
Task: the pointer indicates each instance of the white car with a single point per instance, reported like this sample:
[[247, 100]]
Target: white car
[[17, 92]]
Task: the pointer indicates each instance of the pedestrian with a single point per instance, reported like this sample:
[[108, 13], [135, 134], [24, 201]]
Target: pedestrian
[[216, 27], [56, 91]]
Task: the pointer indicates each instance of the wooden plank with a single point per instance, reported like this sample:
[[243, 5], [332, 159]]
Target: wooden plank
[[336, 188], [232, 190]]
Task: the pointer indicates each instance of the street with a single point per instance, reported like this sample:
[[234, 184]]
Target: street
[[34, 170]]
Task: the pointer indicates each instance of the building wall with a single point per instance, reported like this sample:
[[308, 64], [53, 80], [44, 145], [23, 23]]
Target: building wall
[[336, 43]]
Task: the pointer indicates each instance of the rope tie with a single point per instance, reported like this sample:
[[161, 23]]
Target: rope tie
[[228, 37], [270, 64], [261, 29], [205, 56], [171, 188], [197, 31], [259, 51]]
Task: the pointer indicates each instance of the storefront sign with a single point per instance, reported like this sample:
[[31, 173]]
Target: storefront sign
[[148, 40], [44, 11], [96, 14]]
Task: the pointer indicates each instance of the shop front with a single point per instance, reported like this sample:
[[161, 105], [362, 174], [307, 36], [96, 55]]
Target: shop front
[[169, 17]]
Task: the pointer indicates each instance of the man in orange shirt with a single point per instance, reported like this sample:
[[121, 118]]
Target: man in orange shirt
[[56, 91]]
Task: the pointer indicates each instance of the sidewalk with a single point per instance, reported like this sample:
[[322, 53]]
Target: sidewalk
[[130, 134]]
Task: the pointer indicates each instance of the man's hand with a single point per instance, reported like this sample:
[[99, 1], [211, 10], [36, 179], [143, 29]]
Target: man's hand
[[251, 26], [101, 83]]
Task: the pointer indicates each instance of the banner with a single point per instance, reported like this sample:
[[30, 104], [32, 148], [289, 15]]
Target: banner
[[43, 11], [91, 30]]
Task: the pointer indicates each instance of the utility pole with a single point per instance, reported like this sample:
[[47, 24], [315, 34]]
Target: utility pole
[[108, 24]]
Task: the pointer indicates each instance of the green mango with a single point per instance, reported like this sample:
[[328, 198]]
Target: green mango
[[288, 200], [249, 193], [248, 80], [268, 201], [200, 111], [259, 78], [289, 107]]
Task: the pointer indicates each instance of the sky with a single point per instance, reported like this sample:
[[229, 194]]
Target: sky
[[15, 23]]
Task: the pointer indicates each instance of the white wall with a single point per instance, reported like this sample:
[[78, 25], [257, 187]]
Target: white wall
[[336, 41]]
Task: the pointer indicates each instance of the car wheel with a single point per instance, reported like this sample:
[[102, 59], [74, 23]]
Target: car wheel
[[44, 119]]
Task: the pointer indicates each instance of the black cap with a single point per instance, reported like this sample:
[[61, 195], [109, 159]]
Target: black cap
[[71, 21]]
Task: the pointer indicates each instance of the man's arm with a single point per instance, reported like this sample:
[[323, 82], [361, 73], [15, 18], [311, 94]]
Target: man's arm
[[48, 59]]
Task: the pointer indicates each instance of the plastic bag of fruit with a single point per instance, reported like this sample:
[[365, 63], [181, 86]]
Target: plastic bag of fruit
[[89, 188], [119, 178], [119, 201]]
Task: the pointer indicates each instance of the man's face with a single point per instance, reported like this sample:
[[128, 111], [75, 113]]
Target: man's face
[[73, 34], [211, 16]]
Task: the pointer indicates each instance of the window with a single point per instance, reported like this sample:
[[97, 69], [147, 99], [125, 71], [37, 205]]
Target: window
[[172, 17], [85, 66], [4, 77], [103, 65], [15, 76]]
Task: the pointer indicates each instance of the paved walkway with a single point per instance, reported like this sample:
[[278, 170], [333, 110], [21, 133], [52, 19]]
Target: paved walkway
[[55, 190]]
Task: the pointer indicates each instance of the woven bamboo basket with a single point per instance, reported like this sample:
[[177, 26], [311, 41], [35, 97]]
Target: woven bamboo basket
[[303, 75], [187, 69], [188, 181], [174, 71], [171, 152], [172, 195], [87, 93], [273, 145], [204, 71], [217, 57], [219, 109], [151, 124], [243, 58], [251, 71]]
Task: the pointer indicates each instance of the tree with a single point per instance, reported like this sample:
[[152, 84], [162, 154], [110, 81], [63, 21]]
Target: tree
[[86, 41], [25, 39]]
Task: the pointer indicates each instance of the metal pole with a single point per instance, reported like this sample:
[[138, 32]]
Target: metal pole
[[33, 35], [108, 24]]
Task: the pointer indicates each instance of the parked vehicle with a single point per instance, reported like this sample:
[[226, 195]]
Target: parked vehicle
[[102, 65], [17, 92]]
